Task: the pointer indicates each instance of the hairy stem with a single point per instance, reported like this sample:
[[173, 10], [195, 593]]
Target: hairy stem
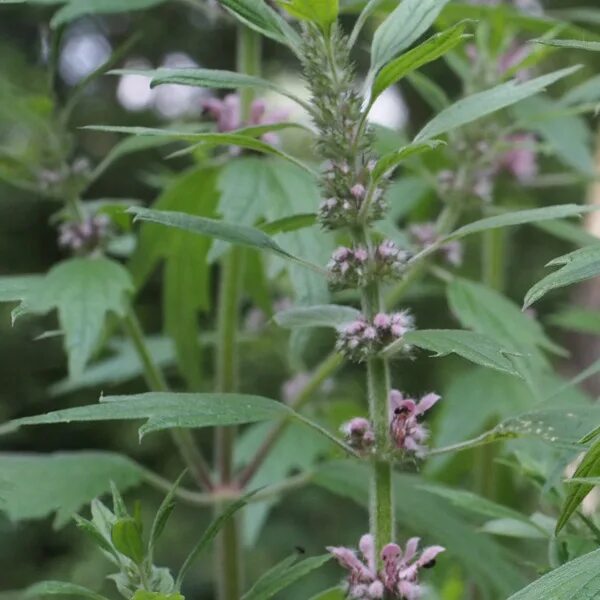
[[228, 556], [156, 381]]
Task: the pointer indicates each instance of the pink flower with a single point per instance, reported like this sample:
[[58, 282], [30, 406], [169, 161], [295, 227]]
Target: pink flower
[[86, 235], [407, 433], [521, 159], [359, 433], [399, 578], [358, 191], [228, 115]]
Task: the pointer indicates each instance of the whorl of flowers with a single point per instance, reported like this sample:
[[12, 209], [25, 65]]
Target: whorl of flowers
[[399, 577], [84, 236], [359, 434], [350, 268], [407, 433], [362, 339]]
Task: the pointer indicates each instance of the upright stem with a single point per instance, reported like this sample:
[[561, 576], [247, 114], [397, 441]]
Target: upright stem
[[381, 509], [156, 381], [229, 558]]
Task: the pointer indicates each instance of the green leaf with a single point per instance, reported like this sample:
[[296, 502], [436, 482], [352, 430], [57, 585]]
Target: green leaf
[[479, 349], [37, 485], [296, 451], [322, 12], [187, 276], [129, 145], [229, 232], [486, 311], [390, 161], [479, 105], [404, 26], [209, 535], [61, 588], [477, 504], [123, 364], [14, 288], [328, 315], [425, 514], [79, 8], [242, 138], [162, 515], [577, 319], [210, 78], [575, 267], [575, 44], [258, 15], [84, 291], [126, 536], [430, 50], [579, 579], [510, 219], [589, 467], [514, 528], [283, 575], [164, 410]]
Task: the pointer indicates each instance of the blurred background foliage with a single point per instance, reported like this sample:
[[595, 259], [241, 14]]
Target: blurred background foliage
[[40, 69]]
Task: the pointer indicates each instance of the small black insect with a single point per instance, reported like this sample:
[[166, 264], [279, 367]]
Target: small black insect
[[430, 564], [300, 550]]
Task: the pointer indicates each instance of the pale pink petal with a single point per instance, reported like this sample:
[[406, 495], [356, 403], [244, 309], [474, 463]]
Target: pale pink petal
[[367, 547], [429, 554], [411, 549], [427, 402]]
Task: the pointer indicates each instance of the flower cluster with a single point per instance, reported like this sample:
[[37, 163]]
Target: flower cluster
[[350, 199], [399, 578], [227, 114], [86, 235], [51, 180], [351, 267], [406, 432], [361, 339], [359, 434], [425, 234]]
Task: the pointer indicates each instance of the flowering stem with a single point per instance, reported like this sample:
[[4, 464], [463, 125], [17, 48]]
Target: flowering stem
[[156, 381], [229, 556]]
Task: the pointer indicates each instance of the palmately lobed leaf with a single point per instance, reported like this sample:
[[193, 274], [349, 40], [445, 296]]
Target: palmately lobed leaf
[[84, 291]]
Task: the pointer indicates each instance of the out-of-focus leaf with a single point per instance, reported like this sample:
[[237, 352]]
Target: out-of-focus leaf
[[577, 319], [209, 535], [575, 580], [79, 8], [485, 103], [589, 467], [404, 26], [162, 516], [476, 347], [36, 485], [332, 594], [574, 44], [414, 59], [208, 78], [433, 517], [575, 267], [61, 588], [486, 311], [14, 288], [584, 93], [297, 450], [186, 286], [126, 536], [84, 291], [510, 219], [329, 315], [283, 575], [144, 595], [516, 528], [121, 366]]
